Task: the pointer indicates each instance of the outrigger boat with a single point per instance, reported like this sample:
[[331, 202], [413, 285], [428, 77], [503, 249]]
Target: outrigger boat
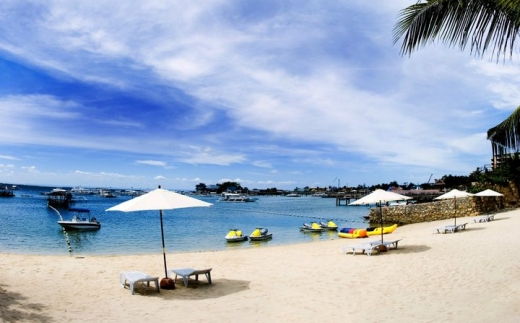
[[260, 234], [311, 227], [78, 222], [329, 225], [235, 235]]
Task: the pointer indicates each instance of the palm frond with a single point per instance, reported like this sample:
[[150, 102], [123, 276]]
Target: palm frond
[[483, 24], [505, 137]]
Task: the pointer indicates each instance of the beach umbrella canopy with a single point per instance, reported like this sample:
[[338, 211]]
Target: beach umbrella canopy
[[380, 196], [454, 194], [159, 199], [489, 192]]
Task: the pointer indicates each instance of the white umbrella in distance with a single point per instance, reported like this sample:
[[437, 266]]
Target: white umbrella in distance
[[454, 194], [380, 196], [489, 192], [159, 199]]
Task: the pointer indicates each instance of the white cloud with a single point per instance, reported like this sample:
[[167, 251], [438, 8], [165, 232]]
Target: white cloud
[[152, 163], [8, 157], [314, 84]]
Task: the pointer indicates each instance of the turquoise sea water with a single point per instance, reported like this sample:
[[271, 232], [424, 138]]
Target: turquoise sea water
[[30, 227]]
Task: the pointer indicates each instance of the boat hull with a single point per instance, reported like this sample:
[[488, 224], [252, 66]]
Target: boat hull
[[377, 231], [71, 225], [262, 238], [238, 239], [305, 229]]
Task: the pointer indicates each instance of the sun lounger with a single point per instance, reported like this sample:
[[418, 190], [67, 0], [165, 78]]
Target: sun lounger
[[450, 228], [185, 273], [388, 244], [366, 248], [133, 277], [445, 229], [460, 227], [484, 218]]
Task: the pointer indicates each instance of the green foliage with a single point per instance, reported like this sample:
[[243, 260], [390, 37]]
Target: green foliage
[[508, 171], [505, 137], [229, 186]]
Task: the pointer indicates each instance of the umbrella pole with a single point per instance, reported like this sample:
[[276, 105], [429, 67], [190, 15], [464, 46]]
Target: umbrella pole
[[163, 248], [455, 199], [381, 219]]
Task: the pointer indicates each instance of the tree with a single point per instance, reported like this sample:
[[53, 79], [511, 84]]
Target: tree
[[229, 186], [484, 24], [201, 187], [505, 137]]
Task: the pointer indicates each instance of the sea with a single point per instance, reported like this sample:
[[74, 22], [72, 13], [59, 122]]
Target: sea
[[30, 227]]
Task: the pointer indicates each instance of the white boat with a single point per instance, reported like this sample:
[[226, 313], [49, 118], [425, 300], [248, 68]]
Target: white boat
[[234, 197], [78, 222], [293, 195], [399, 203]]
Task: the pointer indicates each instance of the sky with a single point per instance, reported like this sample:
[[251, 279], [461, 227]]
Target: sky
[[270, 94]]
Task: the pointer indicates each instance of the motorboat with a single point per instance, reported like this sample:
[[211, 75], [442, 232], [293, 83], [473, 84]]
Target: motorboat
[[353, 233], [234, 197], [80, 221], [235, 235], [108, 194], [293, 195], [377, 230], [260, 234], [6, 192], [311, 227], [329, 225]]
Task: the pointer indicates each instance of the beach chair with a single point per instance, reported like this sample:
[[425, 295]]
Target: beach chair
[[484, 218], [133, 277], [460, 227], [185, 273], [366, 248], [389, 244], [445, 229]]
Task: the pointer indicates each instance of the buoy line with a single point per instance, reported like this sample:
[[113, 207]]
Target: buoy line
[[63, 229], [293, 215]]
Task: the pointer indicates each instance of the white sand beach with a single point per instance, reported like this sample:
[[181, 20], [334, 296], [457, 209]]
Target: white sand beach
[[469, 276]]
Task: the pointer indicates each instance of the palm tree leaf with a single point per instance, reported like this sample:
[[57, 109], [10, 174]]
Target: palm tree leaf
[[505, 137], [482, 24]]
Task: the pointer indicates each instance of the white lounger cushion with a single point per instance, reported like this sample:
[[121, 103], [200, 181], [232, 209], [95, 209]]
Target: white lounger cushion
[[133, 277]]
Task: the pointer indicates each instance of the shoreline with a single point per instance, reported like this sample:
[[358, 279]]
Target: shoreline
[[473, 275]]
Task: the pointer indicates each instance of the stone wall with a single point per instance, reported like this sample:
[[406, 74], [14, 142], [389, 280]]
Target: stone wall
[[438, 210], [511, 194]]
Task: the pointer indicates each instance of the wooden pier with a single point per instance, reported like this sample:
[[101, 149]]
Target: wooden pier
[[347, 197]]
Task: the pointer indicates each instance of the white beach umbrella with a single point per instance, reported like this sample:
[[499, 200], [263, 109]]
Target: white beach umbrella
[[159, 199], [454, 194], [380, 196], [488, 192]]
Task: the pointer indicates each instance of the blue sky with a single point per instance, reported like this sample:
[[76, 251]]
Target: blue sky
[[278, 94]]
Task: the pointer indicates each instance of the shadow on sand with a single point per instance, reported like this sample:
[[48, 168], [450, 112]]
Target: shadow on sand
[[410, 249], [15, 308], [197, 290]]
